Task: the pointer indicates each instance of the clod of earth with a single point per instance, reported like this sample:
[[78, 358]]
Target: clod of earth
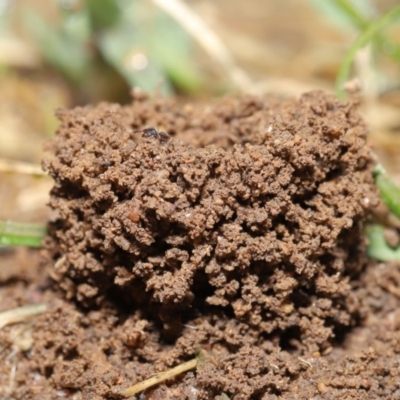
[[253, 209]]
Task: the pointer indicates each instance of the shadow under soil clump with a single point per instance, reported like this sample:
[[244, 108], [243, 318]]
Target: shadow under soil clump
[[239, 234]]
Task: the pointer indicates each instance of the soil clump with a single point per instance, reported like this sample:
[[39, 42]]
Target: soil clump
[[259, 219]]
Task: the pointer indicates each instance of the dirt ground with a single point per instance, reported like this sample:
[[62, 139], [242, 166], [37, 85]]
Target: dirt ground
[[164, 248], [335, 338]]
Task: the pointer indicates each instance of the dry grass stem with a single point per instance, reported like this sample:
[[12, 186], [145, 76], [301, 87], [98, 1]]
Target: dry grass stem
[[20, 337], [17, 53], [20, 314], [158, 378], [21, 167], [207, 38]]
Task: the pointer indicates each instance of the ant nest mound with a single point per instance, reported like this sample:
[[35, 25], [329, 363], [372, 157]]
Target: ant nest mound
[[249, 208]]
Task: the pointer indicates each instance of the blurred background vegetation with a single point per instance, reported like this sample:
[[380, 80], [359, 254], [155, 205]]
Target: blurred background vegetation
[[63, 53]]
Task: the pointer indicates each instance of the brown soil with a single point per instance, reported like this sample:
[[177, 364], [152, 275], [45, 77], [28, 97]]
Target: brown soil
[[239, 237]]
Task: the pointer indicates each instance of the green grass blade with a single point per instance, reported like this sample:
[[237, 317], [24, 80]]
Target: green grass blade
[[389, 190], [373, 29], [63, 47], [378, 249], [21, 234], [352, 13], [359, 19]]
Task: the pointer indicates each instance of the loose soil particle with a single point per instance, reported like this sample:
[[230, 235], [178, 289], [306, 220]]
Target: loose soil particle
[[241, 236]]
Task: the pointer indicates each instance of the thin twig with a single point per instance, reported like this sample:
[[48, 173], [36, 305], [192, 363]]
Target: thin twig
[[158, 378], [20, 314], [207, 38], [21, 167]]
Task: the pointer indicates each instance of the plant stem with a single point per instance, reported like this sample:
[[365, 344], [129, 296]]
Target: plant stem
[[366, 36], [361, 23]]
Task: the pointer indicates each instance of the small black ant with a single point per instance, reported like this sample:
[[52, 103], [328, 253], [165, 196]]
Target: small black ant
[[151, 132]]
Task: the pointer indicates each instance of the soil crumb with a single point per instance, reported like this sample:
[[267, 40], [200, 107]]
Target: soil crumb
[[239, 237]]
